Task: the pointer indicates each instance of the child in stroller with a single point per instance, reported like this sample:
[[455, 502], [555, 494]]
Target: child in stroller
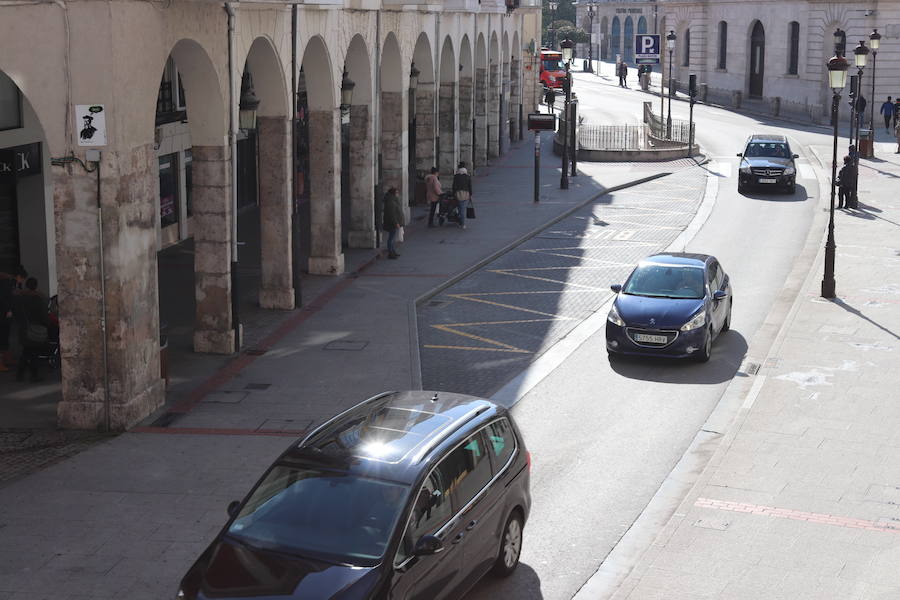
[[448, 209]]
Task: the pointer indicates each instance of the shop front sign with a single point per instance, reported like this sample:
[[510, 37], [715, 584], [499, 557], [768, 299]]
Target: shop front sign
[[20, 161]]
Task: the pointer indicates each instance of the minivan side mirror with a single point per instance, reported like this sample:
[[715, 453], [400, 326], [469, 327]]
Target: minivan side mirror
[[428, 545], [616, 288], [233, 507], [795, 156], [740, 154]]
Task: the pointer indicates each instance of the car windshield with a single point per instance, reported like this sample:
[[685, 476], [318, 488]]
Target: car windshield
[[553, 64], [326, 514], [768, 149], [665, 281]]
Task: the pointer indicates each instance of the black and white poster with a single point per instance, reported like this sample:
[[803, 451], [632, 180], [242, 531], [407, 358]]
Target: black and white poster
[[90, 124]]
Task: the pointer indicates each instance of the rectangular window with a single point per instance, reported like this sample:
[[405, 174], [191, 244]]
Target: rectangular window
[[687, 48], [431, 509], [794, 46], [723, 44], [188, 181], [10, 104], [470, 469], [168, 190], [501, 441]]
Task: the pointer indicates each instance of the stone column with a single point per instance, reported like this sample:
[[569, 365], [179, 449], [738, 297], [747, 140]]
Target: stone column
[[113, 281], [362, 179], [425, 158], [465, 120], [393, 146], [481, 111], [276, 285], [325, 257], [504, 109], [448, 128], [493, 110], [213, 328], [515, 97]]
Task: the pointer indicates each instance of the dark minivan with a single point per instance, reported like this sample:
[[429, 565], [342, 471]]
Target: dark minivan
[[768, 162], [408, 495]]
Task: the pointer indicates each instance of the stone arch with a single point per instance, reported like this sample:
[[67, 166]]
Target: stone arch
[[394, 111], [466, 112], [480, 137], [604, 40], [494, 96], [422, 142], [358, 152], [515, 92], [447, 110], [642, 25], [322, 226], [628, 40], [505, 87], [756, 59], [615, 40]]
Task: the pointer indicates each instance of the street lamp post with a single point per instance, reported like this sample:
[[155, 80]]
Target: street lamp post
[[591, 40], [553, 6], [874, 43], [412, 161], [566, 46], [670, 44], [860, 54], [837, 79]]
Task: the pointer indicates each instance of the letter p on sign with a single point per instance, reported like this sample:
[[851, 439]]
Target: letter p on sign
[[646, 45]]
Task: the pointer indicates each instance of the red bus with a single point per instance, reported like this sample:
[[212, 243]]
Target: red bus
[[553, 71]]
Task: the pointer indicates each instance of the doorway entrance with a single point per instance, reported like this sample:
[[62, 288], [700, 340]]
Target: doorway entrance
[[757, 60]]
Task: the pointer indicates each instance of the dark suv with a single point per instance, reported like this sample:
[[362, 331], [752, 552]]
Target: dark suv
[[408, 495], [767, 161]]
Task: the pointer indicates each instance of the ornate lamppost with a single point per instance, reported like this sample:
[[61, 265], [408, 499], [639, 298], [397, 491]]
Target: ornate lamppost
[[553, 6], [566, 47], [591, 14], [874, 43], [670, 44], [860, 54], [837, 79]]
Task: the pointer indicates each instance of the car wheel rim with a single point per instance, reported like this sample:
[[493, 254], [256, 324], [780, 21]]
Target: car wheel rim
[[512, 543]]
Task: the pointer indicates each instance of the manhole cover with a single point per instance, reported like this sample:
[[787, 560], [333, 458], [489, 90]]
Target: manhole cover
[[346, 345]]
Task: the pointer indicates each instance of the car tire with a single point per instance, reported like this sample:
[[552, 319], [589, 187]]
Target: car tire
[[510, 546], [741, 188], [706, 351], [791, 189], [727, 324]]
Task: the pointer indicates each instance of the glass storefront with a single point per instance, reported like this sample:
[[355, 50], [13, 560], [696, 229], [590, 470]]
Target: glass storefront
[[168, 190]]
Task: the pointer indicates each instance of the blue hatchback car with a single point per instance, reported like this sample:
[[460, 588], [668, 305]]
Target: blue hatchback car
[[671, 305]]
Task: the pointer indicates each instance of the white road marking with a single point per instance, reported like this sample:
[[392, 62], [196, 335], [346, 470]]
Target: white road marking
[[806, 171], [722, 169]]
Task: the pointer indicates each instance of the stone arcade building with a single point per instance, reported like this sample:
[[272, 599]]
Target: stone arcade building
[[168, 76], [770, 54]]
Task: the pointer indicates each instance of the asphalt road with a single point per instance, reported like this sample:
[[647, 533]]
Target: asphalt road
[[603, 437]]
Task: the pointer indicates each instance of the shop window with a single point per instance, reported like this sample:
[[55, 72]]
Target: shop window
[[10, 104], [188, 182], [793, 48], [723, 44], [170, 100], [168, 190], [686, 59]]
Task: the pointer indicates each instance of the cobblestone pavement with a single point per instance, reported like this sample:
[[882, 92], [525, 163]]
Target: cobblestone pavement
[[479, 333], [25, 451]]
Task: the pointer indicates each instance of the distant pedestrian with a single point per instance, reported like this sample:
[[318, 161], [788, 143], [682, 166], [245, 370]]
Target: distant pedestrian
[[846, 183], [392, 221], [861, 109], [851, 151], [10, 283], [432, 193], [30, 314], [462, 192], [897, 135], [622, 70], [549, 98], [887, 111]]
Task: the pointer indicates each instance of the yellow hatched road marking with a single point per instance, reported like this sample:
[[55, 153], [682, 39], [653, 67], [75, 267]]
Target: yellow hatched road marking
[[500, 345], [510, 306]]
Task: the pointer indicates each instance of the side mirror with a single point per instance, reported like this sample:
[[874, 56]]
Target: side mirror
[[740, 154], [428, 545], [616, 288], [795, 156], [720, 295], [233, 507]]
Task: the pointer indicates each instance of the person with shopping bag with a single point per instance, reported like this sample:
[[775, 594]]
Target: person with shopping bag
[[462, 191]]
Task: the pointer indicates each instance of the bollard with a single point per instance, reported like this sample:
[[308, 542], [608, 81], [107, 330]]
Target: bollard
[[736, 97]]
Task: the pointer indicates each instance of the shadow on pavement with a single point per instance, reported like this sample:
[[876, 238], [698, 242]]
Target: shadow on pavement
[[523, 584], [728, 351], [778, 195]]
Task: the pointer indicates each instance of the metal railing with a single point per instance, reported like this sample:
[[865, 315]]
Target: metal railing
[[612, 137], [680, 131]]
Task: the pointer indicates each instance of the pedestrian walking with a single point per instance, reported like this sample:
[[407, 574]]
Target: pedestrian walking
[[861, 109], [10, 283], [897, 135], [887, 111], [846, 183], [550, 98], [30, 314], [622, 69], [392, 220], [462, 192], [432, 193]]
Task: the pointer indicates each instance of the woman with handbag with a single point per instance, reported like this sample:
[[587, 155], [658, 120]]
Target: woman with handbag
[[30, 314], [462, 191]]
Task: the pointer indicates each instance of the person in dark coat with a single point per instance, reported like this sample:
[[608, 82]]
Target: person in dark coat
[[9, 284], [550, 98], [887, 111], [846, 183], [622, 69], [462, 192], [392, 220], [30, 314]]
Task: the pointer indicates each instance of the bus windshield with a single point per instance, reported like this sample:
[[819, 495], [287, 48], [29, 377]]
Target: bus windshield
[[553, 63]]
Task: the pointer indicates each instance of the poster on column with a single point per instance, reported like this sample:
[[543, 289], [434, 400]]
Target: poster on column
[[90, 124]]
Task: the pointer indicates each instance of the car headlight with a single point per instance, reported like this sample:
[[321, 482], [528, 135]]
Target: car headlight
[[551, 78], [614, 317], [699, 320], [790, 171], [745, 170]]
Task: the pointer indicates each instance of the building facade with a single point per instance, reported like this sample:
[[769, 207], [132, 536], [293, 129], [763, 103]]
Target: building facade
[[771, 54], [138, 125]]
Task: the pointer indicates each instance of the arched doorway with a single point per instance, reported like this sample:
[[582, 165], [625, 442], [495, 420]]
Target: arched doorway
[[422, 115], [394, 107], [480, 138], [358, 209], [642, 25], [628, 40], [493, 100], [604, 41], [447, 111], [615, 40], [757, 60]]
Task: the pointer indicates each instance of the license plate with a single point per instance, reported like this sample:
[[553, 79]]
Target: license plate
[[768, 180], [653, 339]]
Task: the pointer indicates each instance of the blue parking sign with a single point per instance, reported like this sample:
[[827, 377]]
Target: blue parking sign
[[646, 49]]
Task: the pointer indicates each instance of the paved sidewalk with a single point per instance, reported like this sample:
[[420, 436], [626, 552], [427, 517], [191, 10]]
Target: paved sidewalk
[[126, 517], [801, 498]]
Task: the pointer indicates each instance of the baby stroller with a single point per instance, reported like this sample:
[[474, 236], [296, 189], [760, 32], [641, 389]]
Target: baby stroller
[[448, 208]]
